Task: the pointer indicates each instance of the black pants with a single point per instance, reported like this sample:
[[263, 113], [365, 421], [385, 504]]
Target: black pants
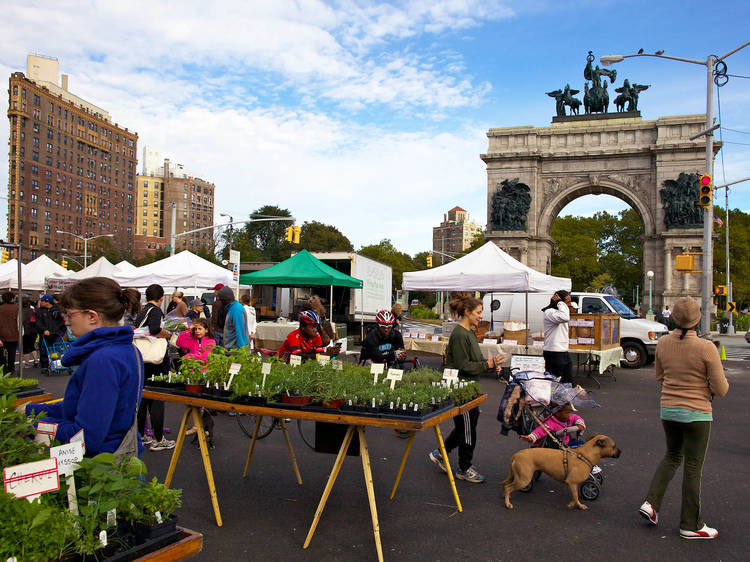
[[156, 410], [9, 355], [559, 364], [464, 436]]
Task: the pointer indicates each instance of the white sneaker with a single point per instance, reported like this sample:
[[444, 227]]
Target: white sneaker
[[648, 511], [161, 445], [704, 532], [147, 440]]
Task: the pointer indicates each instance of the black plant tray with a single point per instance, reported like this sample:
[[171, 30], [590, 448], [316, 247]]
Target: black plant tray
[[144, 548], [163, 384], [250, 400], [29, 392]]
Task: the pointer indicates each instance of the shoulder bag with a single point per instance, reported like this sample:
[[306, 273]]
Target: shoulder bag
[[129, 445], [152, 349]]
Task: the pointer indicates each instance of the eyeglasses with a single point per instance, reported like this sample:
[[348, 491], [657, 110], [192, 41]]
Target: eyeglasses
[[68, 314]]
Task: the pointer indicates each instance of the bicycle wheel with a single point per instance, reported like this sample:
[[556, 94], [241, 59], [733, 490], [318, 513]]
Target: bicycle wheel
[[307, 432], [247, 425]]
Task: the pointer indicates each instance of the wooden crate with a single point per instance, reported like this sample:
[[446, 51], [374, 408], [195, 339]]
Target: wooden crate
[[594, 331]]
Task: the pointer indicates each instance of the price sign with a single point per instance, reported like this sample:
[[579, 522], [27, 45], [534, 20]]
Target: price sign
[[450, 376], [67, 457], [323, 359], [234, 368], [45, 433], [375, 370], [295, 360], [492, 341], [266, 370], [422, 336], [31, 479], [533, 363], [394, 375]]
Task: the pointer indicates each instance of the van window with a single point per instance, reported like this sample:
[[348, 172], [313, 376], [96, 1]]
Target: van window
[[620, 307], [594, 305]]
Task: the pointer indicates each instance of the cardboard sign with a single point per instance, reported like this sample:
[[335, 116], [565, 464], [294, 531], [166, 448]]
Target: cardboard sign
[[45, 433], [31, 479], [295, 360], [492, 341], [394, 375], [67, 457], [323, 359]]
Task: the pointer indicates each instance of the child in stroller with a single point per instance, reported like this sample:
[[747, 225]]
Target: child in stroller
[[562, 424]]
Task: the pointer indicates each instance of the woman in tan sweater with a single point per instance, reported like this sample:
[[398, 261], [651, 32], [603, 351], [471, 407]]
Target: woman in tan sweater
[[689, 371]]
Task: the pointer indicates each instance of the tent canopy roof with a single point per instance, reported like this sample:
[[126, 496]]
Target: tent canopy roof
[[485, 269], [301, 270], [181, 270], [34, 274]]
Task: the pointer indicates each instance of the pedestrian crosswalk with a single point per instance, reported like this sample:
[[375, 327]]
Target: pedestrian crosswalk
[[738, 353]]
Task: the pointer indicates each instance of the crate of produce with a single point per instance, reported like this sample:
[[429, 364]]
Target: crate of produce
[[594, 331]]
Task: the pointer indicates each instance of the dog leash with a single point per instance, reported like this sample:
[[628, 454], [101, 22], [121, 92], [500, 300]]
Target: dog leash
[[566, 451]]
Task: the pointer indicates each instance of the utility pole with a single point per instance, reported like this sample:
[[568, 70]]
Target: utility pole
[[173, 236]]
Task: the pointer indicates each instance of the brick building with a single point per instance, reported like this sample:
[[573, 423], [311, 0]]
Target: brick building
[[70, 168]]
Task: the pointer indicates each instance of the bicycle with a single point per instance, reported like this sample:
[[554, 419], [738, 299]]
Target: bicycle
[[247, 424]]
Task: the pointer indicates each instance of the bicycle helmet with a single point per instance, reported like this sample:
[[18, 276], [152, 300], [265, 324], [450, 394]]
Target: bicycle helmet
[[309, 317], [385, 318]]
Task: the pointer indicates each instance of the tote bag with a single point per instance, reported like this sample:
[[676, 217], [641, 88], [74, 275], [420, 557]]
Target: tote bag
[[129, 444], [153, 350]]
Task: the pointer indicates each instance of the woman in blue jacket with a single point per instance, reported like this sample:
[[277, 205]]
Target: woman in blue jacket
[[102, 394]]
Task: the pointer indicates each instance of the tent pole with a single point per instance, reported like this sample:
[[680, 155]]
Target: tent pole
[[527, 323], [362, 313], [20, 316], [330, 306]]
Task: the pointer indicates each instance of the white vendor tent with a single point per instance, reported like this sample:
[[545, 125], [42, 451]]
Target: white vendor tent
[[34, 274], [9, 267], [182, 270], [486, 269], [100, 268], [125, 265]]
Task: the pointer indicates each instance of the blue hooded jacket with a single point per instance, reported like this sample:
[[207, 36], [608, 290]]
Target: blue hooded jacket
[[102, 394]]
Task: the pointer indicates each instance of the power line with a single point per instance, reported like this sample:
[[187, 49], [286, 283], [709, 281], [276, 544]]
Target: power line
[[736, 131], [742, 143]]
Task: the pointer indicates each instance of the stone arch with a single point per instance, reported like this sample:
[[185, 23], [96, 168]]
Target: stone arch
[[552, 207]]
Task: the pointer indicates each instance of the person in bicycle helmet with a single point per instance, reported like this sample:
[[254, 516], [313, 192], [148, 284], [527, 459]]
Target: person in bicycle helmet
[[383, 344], [305, 340]]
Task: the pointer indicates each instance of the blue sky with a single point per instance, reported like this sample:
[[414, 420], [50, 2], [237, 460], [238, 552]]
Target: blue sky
[[370, 116]]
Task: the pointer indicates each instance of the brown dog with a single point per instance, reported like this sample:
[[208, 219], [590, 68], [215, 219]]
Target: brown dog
[[524, 463]]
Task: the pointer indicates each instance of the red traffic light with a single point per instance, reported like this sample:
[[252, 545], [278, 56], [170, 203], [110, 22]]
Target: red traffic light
[[705, 180]]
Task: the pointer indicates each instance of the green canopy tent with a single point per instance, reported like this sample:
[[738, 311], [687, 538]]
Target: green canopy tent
[[304, 270]]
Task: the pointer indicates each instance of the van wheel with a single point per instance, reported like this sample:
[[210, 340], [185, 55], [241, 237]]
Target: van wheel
[[635, 355]]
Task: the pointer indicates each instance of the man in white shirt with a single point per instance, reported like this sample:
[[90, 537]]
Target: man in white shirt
[[665, 314], [556, 339]]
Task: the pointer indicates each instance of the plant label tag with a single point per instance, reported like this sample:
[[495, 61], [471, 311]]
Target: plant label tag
[[228, 384], [375, 370], [492, 341], [78, 437], [338, 364], [12, 559], [169, 377], [295, 360], [111, 518], [265, 368], [157, 514], [67, 456], [450, 375], [234, 368], [324, 359], [435, 337], [394, 375], [31, 479], [103, 538], [45, 433]]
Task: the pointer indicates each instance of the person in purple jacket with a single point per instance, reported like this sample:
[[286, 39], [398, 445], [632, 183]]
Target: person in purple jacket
[[102, 394]]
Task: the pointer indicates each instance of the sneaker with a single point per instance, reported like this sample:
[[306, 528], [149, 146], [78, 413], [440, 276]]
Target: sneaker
[[704, 532], [648, 511], [437, 458], [147, 440], [470, 475], [161, 445]]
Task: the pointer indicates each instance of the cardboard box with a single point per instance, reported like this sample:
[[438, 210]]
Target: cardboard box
[[594, 331]]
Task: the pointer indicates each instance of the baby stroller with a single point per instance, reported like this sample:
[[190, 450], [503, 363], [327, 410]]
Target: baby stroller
[[55, 352], [531, 397]]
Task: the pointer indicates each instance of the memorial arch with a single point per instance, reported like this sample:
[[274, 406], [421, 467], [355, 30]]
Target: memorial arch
[[533, 172]]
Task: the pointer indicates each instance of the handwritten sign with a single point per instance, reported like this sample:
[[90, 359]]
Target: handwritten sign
[[394, 375], [375, 370], [31, 479], [323, 359], [234, 368], [533, 363], [67, 457], [45, 432], [492, 341], [450, 375], [295, 360]]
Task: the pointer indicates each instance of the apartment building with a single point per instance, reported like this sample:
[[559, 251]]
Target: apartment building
[[455, 233]]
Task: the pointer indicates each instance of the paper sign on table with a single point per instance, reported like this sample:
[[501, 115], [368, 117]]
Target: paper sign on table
[[405, 334], [533, 363], [295, 360], [510, 342], [422, 336], [394, 375], [491, 341], [31, 479], [435, 337], [324, 359], [45, 433]]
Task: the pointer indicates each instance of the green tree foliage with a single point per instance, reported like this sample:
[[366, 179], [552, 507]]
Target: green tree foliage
[[318, 237], [739, 256], [262, 241]]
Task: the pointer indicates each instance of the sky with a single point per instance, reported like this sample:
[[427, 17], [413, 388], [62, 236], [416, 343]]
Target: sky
[[371, 116]]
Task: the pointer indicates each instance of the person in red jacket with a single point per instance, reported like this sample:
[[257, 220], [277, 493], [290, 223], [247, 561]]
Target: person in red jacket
[[305, 340]]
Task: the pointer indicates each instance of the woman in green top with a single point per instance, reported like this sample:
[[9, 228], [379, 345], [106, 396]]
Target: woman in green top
[[463, 353]]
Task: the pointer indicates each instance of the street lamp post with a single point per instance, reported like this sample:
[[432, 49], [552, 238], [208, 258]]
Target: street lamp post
[[86, 243], [231, 232], [708, 216], [650, 275]]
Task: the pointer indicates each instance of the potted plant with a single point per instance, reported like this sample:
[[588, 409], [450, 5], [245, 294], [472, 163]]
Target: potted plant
[[152, 514], [192, 372]]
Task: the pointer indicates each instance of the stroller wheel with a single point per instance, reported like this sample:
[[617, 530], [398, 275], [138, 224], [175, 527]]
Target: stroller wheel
[[589, 490], [599, 477], [530, 486]]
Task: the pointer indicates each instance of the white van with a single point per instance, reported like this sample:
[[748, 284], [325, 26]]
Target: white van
[[638, 336]]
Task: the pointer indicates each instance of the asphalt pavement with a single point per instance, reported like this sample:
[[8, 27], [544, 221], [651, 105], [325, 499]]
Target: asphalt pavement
[[267, 514]]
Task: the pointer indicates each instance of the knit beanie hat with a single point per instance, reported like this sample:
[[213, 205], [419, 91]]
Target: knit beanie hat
[[225, 294], [686, 313]]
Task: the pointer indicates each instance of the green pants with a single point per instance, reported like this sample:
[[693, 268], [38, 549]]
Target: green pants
[[688, 441]]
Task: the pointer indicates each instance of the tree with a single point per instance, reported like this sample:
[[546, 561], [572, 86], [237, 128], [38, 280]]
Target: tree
[[575, 252], [739, 246], [385, 252], [318, 237], [262, 241]]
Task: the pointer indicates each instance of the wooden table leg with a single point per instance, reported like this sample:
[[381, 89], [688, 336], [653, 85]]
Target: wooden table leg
[[207, 463], [178, 446], [365, 454], [258, 419], [441, 447], [329, 485], [403, 462], [282, 423]]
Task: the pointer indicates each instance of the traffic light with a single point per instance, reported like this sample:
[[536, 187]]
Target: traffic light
[[289, 233], [64, 263], [5, 256], [429, 260], [704, 191], [296, 230], [720, 290]]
